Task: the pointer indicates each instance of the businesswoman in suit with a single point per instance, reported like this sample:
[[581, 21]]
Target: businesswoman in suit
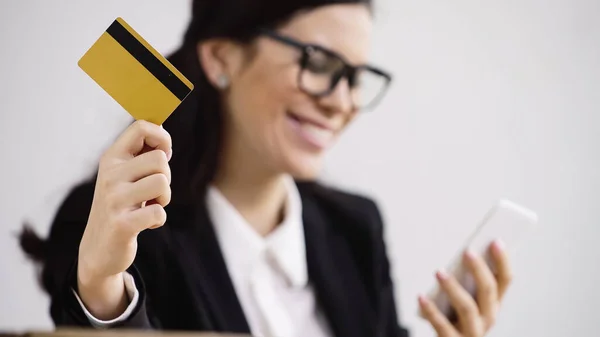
[[213, 221]]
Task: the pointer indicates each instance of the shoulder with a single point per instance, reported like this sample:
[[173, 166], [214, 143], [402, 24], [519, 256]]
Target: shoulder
[[70, 222], [58, 252], [71, 216], [78, 201], [71, 219]]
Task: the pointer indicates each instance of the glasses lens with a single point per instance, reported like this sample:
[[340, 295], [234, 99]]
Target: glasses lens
[[368, 88], [319, 70]]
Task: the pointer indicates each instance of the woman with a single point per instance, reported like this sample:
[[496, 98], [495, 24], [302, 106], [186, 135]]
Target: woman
[[205, 225]]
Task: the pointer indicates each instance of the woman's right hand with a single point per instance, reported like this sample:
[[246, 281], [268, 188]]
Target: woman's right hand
[[132, 187]]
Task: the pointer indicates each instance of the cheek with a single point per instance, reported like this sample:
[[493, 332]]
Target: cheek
[[259, 99]]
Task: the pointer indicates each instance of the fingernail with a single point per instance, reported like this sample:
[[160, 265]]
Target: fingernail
[[500, 246], [469, 254], [169, 154], [441, 275], [422, 300]]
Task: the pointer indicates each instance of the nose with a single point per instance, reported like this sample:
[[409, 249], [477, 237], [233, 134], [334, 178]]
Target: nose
[[339, 100]]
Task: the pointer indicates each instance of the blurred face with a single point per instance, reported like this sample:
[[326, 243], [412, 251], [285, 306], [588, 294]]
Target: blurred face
[[270, 117]]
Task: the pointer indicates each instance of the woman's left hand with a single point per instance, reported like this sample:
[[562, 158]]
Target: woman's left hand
[[475, 316]]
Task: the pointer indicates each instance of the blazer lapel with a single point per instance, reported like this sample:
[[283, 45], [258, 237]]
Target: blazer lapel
[[206, 271], [333, 273]]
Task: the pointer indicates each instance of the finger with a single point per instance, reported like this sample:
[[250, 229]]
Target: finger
[[463, 303], [145, 165], [503, 268], [132, 140], [148, 217], [438, 321], [487, 288], [155, 187]]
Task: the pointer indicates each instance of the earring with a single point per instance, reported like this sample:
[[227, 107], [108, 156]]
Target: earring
[[222, 81]]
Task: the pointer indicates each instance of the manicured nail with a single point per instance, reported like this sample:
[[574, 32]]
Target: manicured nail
[[441, 275], [422, 300], [470, 255], [499, 245]]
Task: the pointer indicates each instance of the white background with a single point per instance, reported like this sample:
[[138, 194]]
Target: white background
[[491, 99]]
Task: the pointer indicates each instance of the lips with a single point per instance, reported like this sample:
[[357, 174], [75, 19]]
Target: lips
[[323, 136], [313, 133]]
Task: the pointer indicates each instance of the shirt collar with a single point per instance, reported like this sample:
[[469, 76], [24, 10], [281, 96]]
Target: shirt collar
[[242, 246]]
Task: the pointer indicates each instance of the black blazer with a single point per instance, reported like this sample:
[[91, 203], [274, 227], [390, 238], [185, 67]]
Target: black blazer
[[184, 283]]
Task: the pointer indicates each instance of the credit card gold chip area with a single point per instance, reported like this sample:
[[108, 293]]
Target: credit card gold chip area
[[134, 74]]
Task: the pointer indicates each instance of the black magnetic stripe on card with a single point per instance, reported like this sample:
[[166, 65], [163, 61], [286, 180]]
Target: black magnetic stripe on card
[[148, 60]]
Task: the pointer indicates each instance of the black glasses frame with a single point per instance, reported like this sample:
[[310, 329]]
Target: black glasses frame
[[348, 71]]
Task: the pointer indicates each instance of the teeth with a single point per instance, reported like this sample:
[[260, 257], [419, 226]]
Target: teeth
[[319, 134]]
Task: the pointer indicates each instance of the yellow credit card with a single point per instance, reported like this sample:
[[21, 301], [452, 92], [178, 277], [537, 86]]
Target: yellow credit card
[[133, 73]]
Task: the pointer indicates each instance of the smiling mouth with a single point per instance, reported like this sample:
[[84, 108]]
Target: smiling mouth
[[312, 133]]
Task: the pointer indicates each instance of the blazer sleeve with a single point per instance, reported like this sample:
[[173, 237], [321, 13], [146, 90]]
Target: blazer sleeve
[[59, 275], [70, 312], [388, 314]]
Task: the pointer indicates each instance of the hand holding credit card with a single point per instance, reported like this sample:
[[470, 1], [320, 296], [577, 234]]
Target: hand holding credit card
[[134, 74], [132, 187]]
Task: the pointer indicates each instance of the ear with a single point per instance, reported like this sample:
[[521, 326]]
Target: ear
[[220, 57]]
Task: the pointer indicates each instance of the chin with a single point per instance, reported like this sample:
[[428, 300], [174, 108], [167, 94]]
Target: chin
[[305, 168]]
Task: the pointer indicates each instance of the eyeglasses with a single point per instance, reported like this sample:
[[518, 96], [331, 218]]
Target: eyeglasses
[[321, 70]]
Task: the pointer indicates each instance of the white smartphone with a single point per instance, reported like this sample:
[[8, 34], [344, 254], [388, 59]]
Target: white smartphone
[[506, 221]]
